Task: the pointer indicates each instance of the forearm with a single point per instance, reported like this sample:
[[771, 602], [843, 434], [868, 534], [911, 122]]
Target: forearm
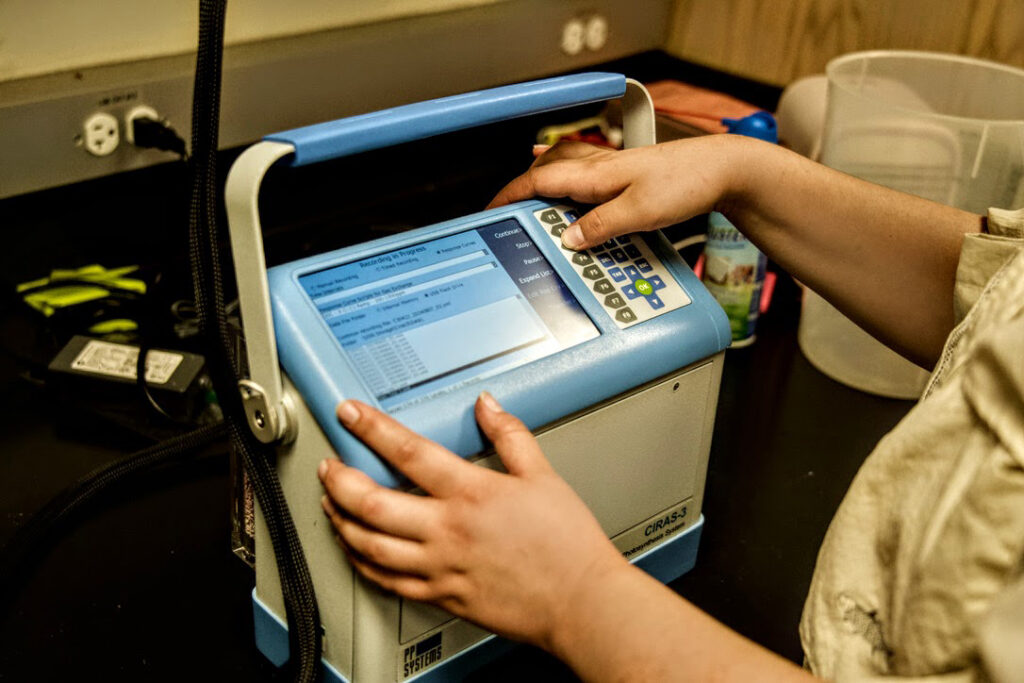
[[886, 259], [629, 627]]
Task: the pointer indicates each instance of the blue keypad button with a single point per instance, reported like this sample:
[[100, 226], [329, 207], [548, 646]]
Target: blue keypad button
[[632, 251], [624, 239], [656, 282], [571, 216], [610, 244], [605, 259], [632, 273], [619, 255], [617, 274], [655, 302], [630, 292], [643, 265]]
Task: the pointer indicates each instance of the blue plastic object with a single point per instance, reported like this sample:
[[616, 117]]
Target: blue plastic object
[[388, 127], [760, 125]]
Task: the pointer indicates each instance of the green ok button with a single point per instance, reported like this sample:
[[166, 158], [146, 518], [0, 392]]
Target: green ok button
[[644, 287]]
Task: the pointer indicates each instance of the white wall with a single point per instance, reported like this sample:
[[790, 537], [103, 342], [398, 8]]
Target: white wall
[[46, 36]]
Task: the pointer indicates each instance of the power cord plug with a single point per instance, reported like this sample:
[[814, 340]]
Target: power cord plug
[[146, 129]]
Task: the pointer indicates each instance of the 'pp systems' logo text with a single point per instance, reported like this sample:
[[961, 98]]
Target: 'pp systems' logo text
[[421, 655]]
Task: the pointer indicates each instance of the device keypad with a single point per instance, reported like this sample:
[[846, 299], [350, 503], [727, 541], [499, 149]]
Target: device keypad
[[626, 278]]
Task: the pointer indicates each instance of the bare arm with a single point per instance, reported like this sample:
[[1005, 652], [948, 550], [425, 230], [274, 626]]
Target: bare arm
[[483, 546], [886, 259]]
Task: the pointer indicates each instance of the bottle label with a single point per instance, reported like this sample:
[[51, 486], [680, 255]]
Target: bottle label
[[734, 274]]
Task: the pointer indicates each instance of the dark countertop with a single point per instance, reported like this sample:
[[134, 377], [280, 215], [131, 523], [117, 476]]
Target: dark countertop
[[145, 587]]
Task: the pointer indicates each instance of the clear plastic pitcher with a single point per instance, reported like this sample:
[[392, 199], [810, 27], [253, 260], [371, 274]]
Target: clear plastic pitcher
[[944, 127]]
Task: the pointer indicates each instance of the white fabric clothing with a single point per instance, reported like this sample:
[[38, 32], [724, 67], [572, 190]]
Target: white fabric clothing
[[920, 573]]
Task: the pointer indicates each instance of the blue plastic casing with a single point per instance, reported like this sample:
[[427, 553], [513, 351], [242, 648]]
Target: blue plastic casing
[[420, 120], [540, 392]]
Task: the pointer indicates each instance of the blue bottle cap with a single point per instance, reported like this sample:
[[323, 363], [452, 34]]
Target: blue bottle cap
[[759, 125]]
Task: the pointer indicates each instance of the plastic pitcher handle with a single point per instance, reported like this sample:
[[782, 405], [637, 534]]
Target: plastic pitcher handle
[[365, 132]]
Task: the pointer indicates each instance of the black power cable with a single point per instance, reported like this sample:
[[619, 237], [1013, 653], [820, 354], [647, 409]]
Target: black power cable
[[208, 282], [29, 542], [152, 134], [225, 368]]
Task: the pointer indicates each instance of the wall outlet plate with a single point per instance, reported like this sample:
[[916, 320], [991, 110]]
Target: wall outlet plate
[[101, 134]]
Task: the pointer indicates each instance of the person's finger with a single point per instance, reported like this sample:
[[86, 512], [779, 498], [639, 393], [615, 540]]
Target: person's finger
[[569, 149], [577, 179], [548, 178], [515, 445], [605, 221], [384, 550], [407, 585], [394, 512], [519, 188], [439, 471]]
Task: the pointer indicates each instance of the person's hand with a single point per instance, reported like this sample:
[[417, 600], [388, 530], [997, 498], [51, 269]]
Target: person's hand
[[636, 189], [506, 551]]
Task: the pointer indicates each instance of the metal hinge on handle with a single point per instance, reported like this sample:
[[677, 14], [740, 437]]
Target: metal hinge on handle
[[268, 407], [269, 423]]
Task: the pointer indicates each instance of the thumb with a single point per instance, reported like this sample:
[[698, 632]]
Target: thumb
[[603, 222], [515, 445]]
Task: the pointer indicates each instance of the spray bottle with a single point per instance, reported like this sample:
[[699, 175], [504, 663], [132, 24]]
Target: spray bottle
[[734, 269]]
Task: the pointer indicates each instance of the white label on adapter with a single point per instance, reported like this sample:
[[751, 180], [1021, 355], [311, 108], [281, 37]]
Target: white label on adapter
[[118, 360]]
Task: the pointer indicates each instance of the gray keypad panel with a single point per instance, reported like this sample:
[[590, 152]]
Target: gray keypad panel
[[623, 274]]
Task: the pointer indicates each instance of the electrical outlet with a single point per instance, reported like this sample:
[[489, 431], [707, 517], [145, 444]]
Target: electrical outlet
[[573, 37], [596, 32], [101, 134]]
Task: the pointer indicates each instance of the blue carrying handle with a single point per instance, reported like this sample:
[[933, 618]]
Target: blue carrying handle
[[365, 132]]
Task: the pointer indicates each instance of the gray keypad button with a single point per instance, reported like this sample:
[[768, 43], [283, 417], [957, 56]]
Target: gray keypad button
[[592, 272], [614, 301], [551, 217], [604, 286], [557, 230], [625, 315], [581, 258]]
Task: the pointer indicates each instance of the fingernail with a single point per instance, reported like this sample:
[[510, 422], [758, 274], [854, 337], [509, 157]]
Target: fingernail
[[348, 413], [490, 402], [572, 237], [325, 503], [321, 471], [540, 149]]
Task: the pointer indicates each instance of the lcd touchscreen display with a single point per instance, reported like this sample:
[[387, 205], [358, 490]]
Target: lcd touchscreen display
[[422, 319]]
